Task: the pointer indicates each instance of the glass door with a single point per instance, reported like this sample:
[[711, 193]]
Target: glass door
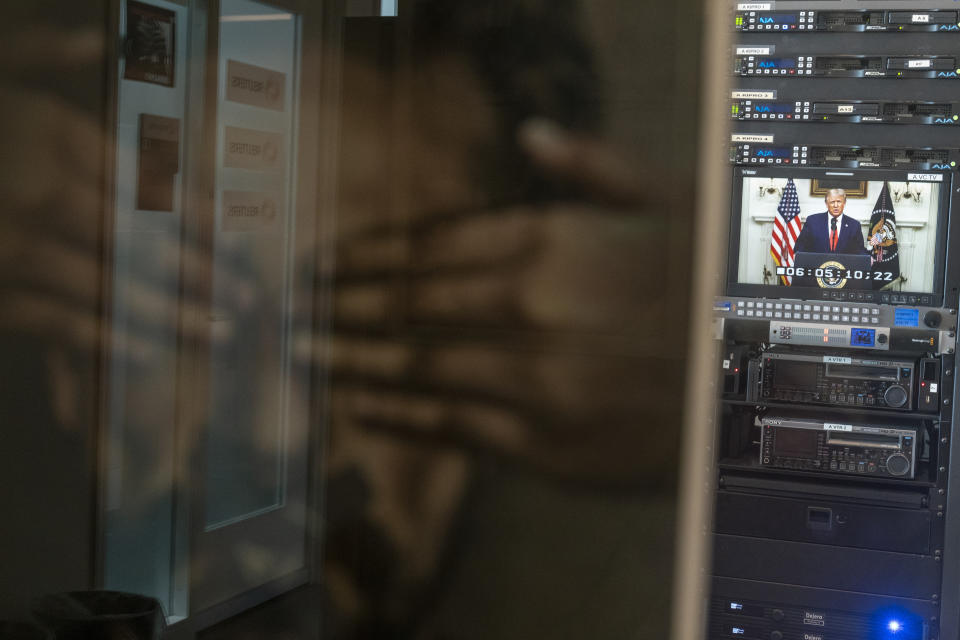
[[250, 509], [214, 244]]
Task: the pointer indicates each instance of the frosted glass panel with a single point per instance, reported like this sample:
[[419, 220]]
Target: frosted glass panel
[[256, 136]]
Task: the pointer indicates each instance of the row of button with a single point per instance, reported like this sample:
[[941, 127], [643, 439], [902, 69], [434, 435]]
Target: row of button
[[841, 296], [798, 152], [775, 116], [797, 104], [777, 161], [776, 27], [860, 467], [787, 306], [852, 399], [752, 26], [801, 61], [750, 71], [778, 315], [753, 14], [898, 299], [885, 298]]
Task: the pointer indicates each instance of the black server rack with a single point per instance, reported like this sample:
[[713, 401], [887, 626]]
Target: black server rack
[[834, 517]]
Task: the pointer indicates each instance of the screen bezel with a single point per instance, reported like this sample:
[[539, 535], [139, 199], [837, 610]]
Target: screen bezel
[[773, 291]]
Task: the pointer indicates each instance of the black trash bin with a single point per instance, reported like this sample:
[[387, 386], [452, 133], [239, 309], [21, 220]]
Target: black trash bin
[[100, 615], [22, 631]]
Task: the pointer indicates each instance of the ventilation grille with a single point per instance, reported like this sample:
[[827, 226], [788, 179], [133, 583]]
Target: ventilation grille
[[822, 155], [851, 19], [913, 156], [908, 109], [837, 63]]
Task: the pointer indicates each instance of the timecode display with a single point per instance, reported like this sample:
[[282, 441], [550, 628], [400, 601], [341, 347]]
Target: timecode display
[[831, 273]]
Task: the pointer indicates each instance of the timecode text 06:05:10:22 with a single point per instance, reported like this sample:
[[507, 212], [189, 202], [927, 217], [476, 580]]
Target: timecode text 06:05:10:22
[[831, 272]]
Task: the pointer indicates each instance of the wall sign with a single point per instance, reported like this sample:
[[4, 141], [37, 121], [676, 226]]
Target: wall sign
[[255, 86], [252, 149], [249, 211]]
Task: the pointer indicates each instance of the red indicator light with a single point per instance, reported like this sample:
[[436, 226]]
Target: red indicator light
[[736, 370]]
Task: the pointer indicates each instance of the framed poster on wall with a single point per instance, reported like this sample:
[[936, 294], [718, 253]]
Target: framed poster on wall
[[150, 48]]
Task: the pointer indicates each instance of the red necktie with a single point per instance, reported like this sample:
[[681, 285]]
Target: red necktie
[[833, 240]]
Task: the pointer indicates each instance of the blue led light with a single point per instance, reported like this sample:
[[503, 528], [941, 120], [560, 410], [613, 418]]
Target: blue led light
[[893, 623]]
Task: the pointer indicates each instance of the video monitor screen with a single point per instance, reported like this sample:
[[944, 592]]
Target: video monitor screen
[[802, 233]]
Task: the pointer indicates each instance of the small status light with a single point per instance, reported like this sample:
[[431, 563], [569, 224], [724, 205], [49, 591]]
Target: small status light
[[956, 117], [894, 626]]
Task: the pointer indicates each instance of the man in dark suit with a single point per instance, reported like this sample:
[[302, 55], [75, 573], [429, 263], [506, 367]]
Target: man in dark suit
[[831, 231]]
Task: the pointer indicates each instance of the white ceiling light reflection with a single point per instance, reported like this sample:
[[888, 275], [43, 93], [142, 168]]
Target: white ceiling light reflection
[[263, 17]]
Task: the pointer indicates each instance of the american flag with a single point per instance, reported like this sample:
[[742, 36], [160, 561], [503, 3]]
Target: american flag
[[786, 228]]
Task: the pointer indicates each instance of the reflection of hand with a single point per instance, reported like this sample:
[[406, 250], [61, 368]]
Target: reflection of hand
[[52, 264], [51, 291], [587, 162], [54, 248], [536, 333], [523, 330]]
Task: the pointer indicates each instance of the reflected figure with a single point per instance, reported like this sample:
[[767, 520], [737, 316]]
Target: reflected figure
[[495, 304], [504, 357]]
